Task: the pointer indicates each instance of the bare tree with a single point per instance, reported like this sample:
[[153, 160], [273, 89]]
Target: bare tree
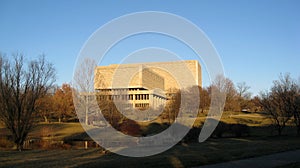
[[243, 96], [297, 112], [278, 117], [192, 99], [243, 90], [84, 93], [20, 88], [225, 86], [204, 99], [281, 102], [172, 106], [254, 104]]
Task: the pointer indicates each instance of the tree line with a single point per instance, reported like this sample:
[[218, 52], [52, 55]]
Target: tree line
[[281, 104], [237, 97]]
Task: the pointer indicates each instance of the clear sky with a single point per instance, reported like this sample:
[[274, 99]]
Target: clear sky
[[256, 39]]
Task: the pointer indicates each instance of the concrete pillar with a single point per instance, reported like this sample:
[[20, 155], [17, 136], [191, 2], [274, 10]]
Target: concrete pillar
[[85, 144], [133, 100], [151, 101], [156, 102], [159, 101]]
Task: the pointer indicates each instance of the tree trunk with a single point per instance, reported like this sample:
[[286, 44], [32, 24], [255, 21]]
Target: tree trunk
[[169, 117], [19, 148], [45, 119], [279, 131], [20, 145], [86, 118], [86, 110]]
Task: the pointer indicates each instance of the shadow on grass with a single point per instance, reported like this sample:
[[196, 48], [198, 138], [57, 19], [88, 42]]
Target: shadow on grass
[[214, 150], [195, 154], [188, 153]]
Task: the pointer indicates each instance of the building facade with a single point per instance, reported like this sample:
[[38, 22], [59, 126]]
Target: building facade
[[145, 85]]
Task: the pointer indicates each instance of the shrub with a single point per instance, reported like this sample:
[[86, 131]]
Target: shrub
[[5, 143], [130, 127], [192, 135], [230, 130], [239, 129], [221, 129], [51, 145], [66, 146], [154, 128]]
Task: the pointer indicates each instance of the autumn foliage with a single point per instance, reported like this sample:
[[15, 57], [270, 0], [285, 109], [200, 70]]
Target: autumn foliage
[[57, 106]]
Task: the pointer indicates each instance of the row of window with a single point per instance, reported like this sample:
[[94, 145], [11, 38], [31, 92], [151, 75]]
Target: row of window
[[145, 105], [141, 97], [120, 90], [124, 97]]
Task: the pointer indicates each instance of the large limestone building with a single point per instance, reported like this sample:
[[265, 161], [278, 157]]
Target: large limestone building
[[144, 85]]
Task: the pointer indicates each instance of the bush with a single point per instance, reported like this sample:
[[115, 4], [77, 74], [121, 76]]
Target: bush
[[192, 135], [154, 128], [5, 143], [230, 130], [221, 129], [50, 145], [130, 127], [239, 129]]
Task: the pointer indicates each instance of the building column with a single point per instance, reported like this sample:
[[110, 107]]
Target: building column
[[159, 102], [151, 101], [133, 100], [156, 102]]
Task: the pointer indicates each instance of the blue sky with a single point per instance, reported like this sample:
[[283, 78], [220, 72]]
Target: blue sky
[[256, 39]]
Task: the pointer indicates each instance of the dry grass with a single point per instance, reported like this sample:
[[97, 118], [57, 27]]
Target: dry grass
[[56, 131], [186, 155], [195, 154], [291, 165]]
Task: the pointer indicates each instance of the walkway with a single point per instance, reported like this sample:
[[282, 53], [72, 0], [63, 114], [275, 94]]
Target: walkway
[[273, 160]]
